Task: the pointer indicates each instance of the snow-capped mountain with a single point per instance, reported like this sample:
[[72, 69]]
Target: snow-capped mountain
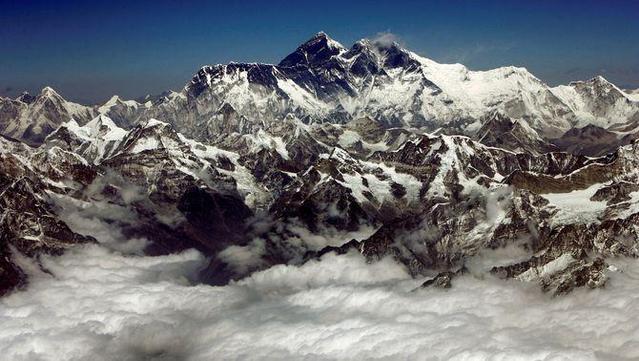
[[324, 82], [598, 102], [94, 141], [123, 112], [370, 149], [32, 118]]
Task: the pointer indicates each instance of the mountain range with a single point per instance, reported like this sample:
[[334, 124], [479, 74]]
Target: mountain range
[[371, 149], [324, 82]]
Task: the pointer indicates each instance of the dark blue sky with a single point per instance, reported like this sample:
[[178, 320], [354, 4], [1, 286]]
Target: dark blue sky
[[90, 50]]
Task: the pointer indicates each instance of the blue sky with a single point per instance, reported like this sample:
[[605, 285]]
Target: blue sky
[[89, 50]]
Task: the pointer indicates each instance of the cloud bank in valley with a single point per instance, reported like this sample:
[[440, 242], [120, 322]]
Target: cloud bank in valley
[[99, 304]]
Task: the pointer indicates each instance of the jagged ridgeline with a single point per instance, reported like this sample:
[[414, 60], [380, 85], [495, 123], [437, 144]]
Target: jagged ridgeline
[[371, 149]]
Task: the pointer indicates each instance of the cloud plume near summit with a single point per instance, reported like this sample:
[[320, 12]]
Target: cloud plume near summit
[[386, 39]]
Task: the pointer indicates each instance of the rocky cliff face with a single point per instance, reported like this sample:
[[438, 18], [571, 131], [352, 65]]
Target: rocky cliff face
[[28, 223]]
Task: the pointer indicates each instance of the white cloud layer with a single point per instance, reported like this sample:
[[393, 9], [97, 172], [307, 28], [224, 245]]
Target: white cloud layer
[[102, 305]]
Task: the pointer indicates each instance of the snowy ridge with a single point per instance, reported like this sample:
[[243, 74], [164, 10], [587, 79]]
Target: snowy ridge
[[598, 102], [324, 82], [31, 118], [321, 81], [95, 141]]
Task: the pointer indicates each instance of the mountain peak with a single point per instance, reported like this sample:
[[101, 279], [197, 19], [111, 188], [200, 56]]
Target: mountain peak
[[26, 98], [598, 86], [103, 123], [154, 98], [382, 52], [597, 80], [48, 91], [323, 37], [114, 99], [316, 50], [384, 44], [321, 34]]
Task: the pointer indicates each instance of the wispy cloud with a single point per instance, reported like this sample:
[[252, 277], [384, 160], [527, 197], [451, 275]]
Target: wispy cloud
[[386, 38]]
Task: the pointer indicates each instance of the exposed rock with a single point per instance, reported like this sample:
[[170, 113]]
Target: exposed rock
[[28, 224], [443, 279], [515, 135], [616, 192], [590, 140]]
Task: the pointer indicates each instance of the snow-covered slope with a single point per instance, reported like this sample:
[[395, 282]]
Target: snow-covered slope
[[95, 141], [124, 113]]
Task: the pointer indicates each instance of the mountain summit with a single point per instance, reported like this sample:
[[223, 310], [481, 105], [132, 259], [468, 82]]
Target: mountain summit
[[320, 48], [323, 81]]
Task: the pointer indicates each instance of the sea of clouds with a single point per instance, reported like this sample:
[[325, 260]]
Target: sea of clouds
[[98, 303], [107, 301]]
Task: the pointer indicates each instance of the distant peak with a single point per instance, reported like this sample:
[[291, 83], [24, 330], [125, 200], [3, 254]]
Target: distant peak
[[360, 45], [317, 49], [381, 44], [48, 91], [597, 80], [25, 97], [385, 49], [323, 38], [113, 100], [156, 97], [600, 80], [101, 120]]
